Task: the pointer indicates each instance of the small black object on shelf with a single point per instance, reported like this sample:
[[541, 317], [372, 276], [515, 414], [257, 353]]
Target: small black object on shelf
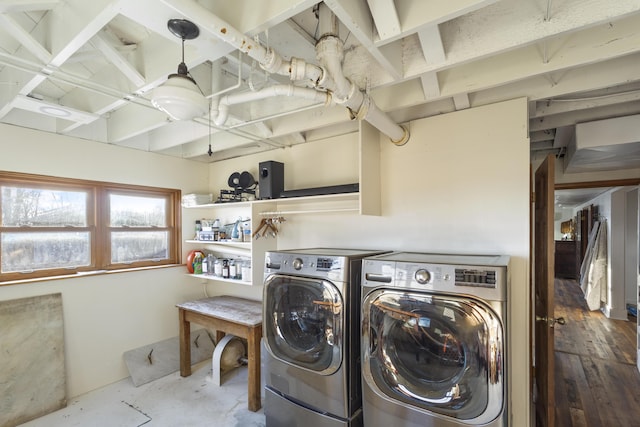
[[243, 188]]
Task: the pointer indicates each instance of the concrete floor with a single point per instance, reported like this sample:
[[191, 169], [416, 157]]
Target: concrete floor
[[169, 401]]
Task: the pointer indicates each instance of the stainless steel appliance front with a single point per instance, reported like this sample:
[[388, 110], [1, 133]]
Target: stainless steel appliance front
[[433, 340], [311, 309]]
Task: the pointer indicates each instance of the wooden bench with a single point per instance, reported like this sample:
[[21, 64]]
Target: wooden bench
[[227, 315]]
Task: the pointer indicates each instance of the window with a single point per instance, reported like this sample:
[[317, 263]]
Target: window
[[55, 226]]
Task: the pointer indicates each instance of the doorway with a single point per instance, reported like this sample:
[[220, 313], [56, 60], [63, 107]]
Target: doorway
[[596, 364], [615, 204]]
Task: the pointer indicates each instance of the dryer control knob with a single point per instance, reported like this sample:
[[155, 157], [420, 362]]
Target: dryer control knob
[[297, 263], [422, 276]]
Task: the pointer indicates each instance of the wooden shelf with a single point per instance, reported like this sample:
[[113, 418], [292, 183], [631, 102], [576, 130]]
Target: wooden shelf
[[220, 205], [220, 279], [326, 203], [237, 247], [329, 203]]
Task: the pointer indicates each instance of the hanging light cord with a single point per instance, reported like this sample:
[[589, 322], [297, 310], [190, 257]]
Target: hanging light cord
[[182, 67], [210, 152]]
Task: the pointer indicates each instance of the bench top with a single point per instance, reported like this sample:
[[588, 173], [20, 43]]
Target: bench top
[[234, 309]]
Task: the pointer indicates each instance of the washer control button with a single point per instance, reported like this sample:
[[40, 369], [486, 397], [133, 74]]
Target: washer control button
[[422, 276], [297, 263]]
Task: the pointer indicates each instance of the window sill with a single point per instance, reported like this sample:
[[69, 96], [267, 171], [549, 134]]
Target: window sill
[[86, 273]]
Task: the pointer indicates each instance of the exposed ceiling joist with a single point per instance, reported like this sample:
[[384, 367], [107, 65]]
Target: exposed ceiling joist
[[574, 61], [28, 42], [110, 52], [430, 85], [565, 105], [385, 17], [355, 16], [431, 44], [15, 6], [581, 116]]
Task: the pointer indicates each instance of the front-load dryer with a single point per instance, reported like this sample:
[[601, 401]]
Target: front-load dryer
[[311, 325], [434, 340]]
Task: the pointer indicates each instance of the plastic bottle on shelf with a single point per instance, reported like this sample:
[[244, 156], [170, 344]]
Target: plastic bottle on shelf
[[210, 263], [197, 263], [235, 232], [239, 266], [205, 265], [232, 269], [217, 267], [198, 229], [216, 229], [246, 231], [246, 271]]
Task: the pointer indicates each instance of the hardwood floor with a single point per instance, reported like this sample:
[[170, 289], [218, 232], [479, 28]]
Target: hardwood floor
[[597, 382]]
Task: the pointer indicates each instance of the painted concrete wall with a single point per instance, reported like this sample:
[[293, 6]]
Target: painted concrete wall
[[105, 315], [461, 185]]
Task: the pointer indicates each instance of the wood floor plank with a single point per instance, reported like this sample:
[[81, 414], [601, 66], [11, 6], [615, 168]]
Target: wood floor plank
[[597, 381]]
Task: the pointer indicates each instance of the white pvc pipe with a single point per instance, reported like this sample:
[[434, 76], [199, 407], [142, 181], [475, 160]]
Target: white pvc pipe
[[273, 116], [345, 93], [384, 124], [329, 51], [276, 90], [222, 110], [216, 69]]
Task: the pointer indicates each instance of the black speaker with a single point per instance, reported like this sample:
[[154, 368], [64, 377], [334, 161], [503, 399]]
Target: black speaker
[[271, 179]]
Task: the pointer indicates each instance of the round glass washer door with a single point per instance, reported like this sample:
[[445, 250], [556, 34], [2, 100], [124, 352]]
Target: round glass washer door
[[434, 352], [303, 322]]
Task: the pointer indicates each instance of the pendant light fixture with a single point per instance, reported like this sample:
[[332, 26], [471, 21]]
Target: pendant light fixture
[[180, 97]]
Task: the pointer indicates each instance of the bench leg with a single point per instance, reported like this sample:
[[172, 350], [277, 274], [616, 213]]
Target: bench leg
[[185, 344], [253, 344]]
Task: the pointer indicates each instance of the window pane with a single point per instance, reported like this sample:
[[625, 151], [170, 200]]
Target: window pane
[[139, 246], [40, 251], [38, 207], [136, 211]]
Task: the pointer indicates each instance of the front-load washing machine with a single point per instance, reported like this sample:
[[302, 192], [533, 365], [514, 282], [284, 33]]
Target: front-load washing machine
[[434, 340], [311, 325]]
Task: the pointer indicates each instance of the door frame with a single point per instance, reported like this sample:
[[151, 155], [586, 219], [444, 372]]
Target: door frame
[[542, 287], [550, 418]]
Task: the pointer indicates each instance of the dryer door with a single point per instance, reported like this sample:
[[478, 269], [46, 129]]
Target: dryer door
[[438, 353], [303, 322]]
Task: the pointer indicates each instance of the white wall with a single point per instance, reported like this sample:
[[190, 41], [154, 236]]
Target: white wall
[[105, 315], [631, 248], [460, 185]]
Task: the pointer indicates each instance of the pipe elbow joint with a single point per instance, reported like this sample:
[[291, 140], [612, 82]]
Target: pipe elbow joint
[[297, 69], [404, 139], [272, 62], [223, 114]]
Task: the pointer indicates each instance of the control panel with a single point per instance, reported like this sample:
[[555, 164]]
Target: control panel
[[483, 281], [333, 268]]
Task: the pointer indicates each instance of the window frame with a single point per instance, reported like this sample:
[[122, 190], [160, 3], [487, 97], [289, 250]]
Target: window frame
[[98, 222]]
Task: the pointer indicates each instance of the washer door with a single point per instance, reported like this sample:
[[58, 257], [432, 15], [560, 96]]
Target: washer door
[[439, 353], [303, 322]]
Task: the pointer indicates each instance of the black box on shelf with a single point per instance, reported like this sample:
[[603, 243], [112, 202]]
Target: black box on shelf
[[270, 179]]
